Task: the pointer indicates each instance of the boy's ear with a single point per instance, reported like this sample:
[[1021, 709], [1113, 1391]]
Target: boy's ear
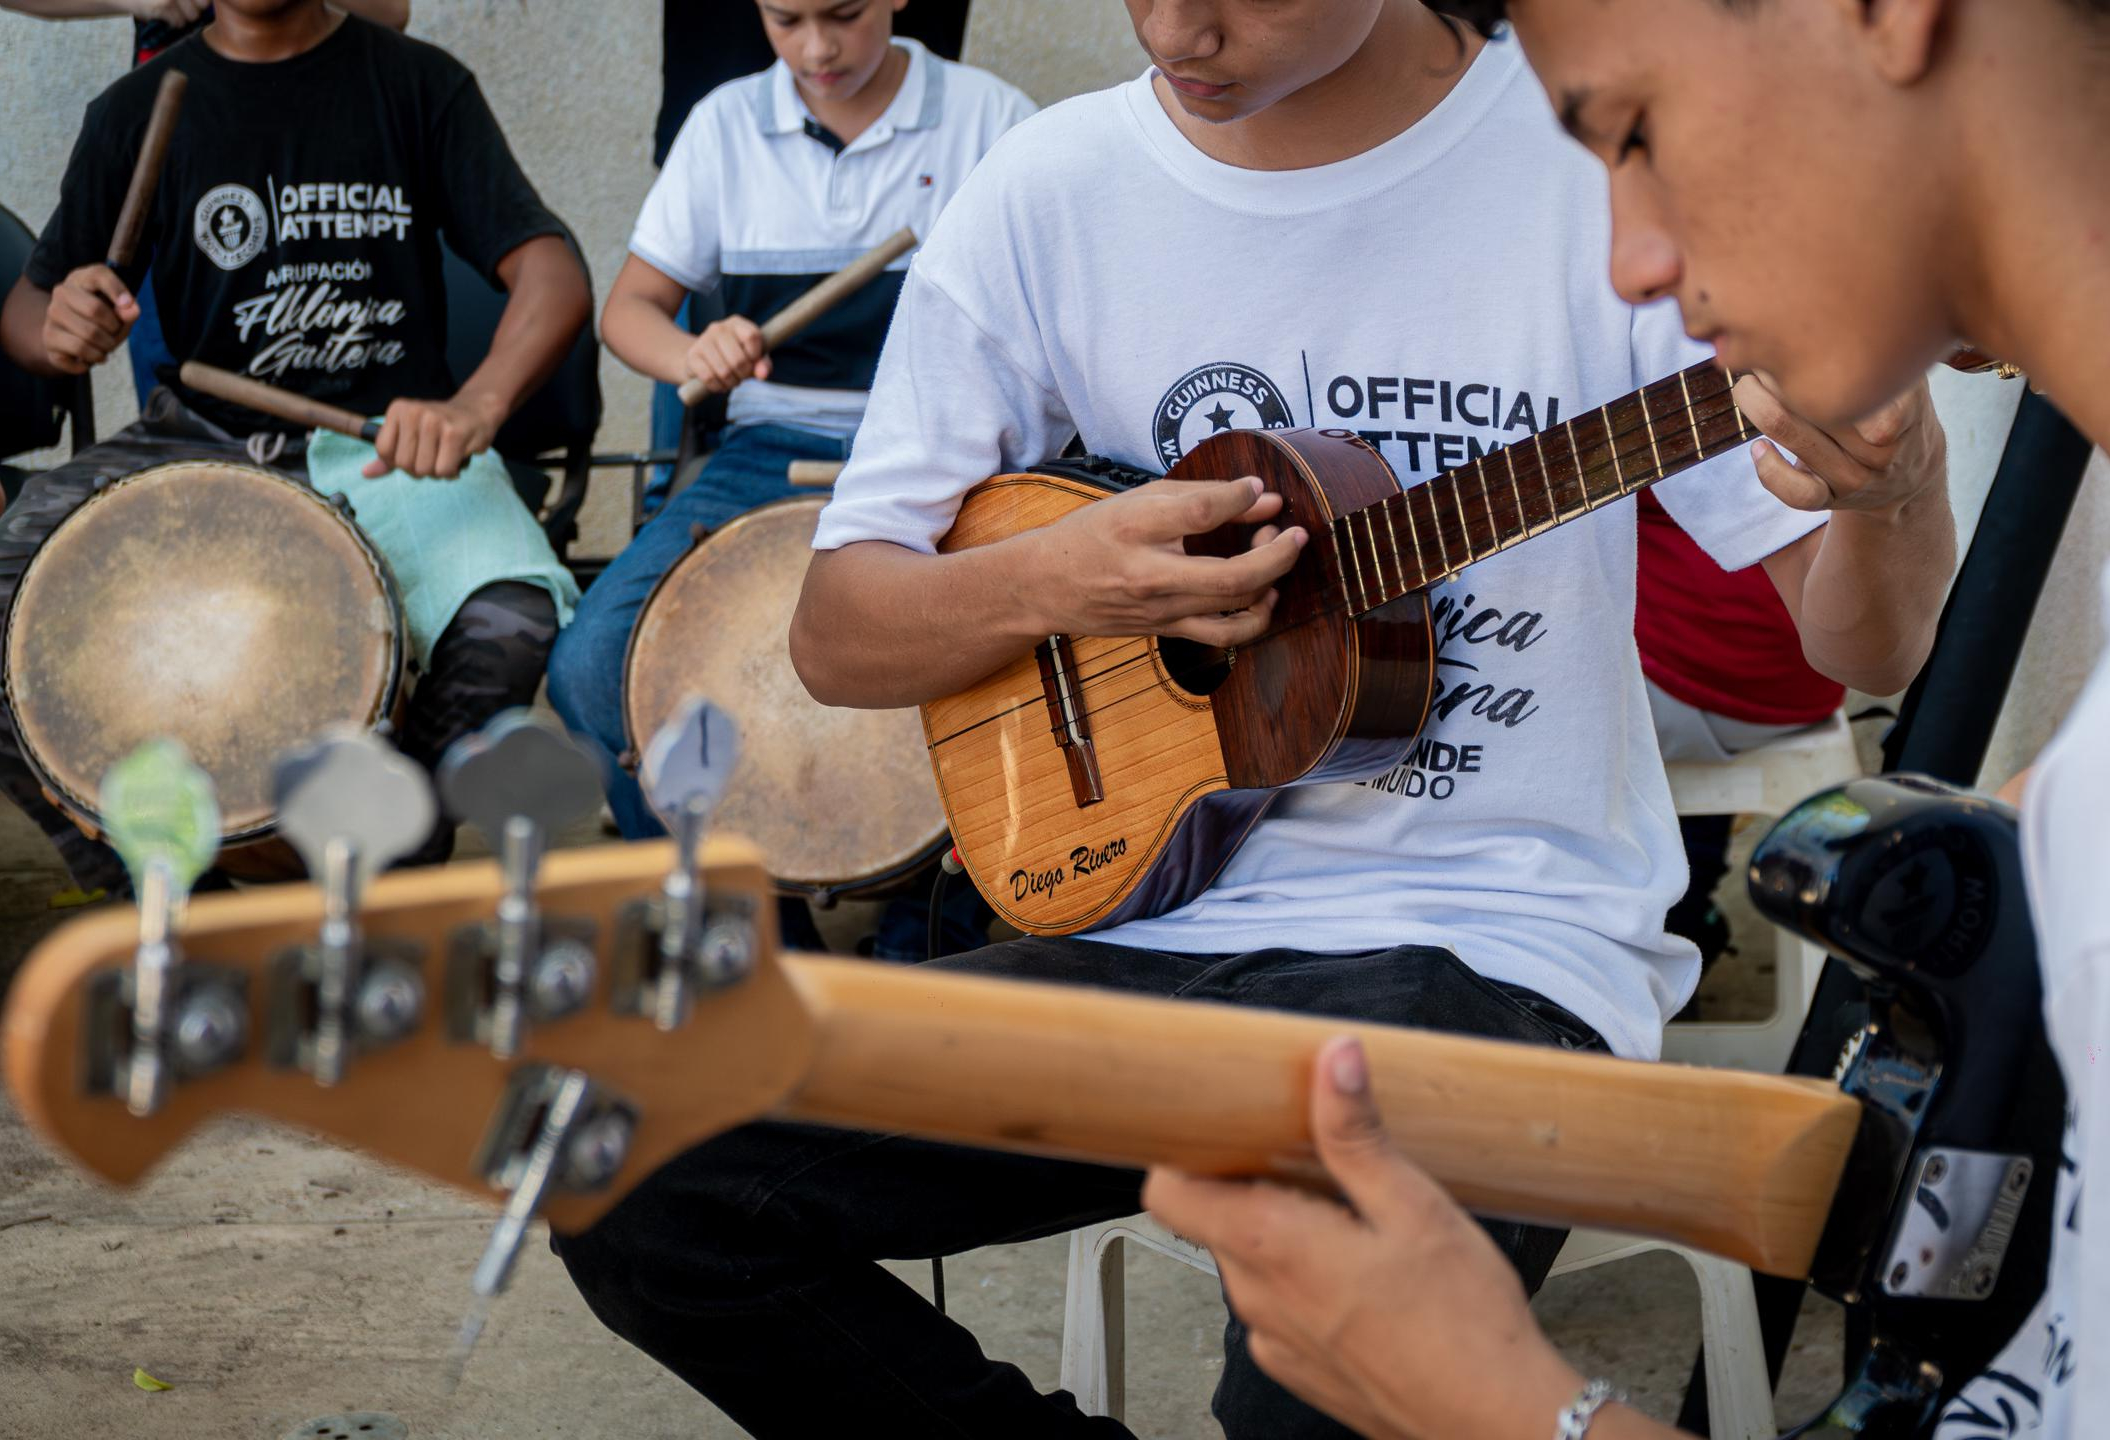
[[1899, 36]]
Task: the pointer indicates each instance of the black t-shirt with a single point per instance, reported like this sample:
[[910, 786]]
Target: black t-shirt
[[296, 232], [708, 42]]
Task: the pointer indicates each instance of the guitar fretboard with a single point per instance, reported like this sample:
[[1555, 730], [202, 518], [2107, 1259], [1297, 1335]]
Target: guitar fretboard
[[1426, 535]]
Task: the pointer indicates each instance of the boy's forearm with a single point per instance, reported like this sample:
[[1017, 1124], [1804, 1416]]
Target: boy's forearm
[[882, 627], [1873, 596], [22, 328], [548, 301], [645, 337], [67, 9]]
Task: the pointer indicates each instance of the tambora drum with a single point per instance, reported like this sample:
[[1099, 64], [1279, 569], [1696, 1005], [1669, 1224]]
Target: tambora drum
[[840, 801], [221, 605]]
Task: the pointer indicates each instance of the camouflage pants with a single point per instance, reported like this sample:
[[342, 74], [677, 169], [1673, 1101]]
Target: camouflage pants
[[490, 657]]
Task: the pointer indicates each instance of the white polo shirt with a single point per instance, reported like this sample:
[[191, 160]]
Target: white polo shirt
[[758, 197]]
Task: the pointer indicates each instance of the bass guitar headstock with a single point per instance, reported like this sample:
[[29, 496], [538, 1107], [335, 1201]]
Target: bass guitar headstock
[[435, 1019]]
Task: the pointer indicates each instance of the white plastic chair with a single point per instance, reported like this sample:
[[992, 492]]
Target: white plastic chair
[[1094, 1323], [1769, 780]]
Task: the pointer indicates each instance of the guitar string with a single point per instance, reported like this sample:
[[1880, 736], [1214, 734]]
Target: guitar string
[[1694, 414], [1697, 411], [1144, 650]]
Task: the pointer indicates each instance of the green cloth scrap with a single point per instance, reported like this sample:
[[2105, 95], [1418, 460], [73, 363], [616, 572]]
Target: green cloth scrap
[[444, 539], [147, 1382]]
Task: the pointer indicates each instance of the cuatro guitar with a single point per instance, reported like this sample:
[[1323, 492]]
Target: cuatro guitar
[[1098, 780]]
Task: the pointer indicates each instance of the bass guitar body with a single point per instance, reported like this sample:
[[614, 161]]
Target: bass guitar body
[[1098, 780]]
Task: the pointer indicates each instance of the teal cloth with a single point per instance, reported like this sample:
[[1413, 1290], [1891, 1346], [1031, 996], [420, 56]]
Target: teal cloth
[[444, 539]]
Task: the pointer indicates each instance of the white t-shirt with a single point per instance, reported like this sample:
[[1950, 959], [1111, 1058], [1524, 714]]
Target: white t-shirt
[[1441, 293], [756, 196], [2055, 1374]]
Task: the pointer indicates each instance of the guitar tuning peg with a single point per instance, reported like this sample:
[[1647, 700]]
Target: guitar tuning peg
[[163, 819], [686, 771], [555, 1129], [160, 810], [351, 806], [690, 762], [517, 768], [347, 788], [518, 780]]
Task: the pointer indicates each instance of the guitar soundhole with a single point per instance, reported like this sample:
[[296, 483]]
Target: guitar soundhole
[[1196, 668]]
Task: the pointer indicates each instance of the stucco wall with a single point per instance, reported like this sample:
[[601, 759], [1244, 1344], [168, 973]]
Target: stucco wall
[[576, 85]]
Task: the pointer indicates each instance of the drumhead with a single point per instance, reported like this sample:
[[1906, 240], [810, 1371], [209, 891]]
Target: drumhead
[[838, 800], [220, 605]]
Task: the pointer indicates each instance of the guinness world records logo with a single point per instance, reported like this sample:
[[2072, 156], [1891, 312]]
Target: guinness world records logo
[[230, 225], [1211, 399]]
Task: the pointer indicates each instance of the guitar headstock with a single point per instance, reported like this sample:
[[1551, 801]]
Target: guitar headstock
[[434, 1097]]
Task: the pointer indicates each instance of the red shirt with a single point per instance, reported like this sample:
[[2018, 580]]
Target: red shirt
[[1719, 640]]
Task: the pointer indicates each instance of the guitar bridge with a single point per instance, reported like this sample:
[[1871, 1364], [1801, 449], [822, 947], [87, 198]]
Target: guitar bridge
[[1068, 720]]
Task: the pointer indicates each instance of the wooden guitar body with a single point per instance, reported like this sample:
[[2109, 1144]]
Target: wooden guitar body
[[1097, 780]]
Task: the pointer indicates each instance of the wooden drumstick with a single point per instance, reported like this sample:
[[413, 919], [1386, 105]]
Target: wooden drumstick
[[146, 174], [822, 298], [813, 474], [270, 400]]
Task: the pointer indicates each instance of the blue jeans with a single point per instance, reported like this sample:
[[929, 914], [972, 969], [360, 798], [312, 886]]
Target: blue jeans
[[669, 415], [586, 668]]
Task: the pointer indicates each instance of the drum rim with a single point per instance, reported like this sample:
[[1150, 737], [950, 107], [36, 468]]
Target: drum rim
[[82, 810], [825, 891]]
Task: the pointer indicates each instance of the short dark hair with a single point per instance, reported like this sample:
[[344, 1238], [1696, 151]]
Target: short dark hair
[[1485, 15]]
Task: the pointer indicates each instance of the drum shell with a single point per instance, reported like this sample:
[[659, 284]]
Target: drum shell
[[173, 599], [842, 802]]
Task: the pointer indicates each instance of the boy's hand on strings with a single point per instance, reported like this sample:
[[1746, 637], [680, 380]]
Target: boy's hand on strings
[[1121, 567], [1879, 463], [90, 314], [727, 352]]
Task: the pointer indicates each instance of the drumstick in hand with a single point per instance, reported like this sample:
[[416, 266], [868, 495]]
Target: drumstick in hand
[[270, 400], [146, 174], [822, 298]]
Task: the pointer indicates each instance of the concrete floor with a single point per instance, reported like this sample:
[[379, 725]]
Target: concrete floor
[[272, 1280]]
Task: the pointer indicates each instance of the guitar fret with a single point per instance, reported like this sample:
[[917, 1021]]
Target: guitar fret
[[1611, 443], [1377, 557], [1450, 566], [1406, 503], [1362, 577], [1654, 453], [1362, 591], [1692, 416], [1580, 482], [1392, 542], [1487, 501], [1553, 506], [1465, 527], [1743, 430], [1509, 458]]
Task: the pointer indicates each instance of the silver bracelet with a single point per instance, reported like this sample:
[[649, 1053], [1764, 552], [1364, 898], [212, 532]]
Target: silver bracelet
[[1575, 1421]]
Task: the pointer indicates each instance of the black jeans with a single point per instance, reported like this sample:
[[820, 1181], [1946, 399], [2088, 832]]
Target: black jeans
[[746, 1266], [490, 657]]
